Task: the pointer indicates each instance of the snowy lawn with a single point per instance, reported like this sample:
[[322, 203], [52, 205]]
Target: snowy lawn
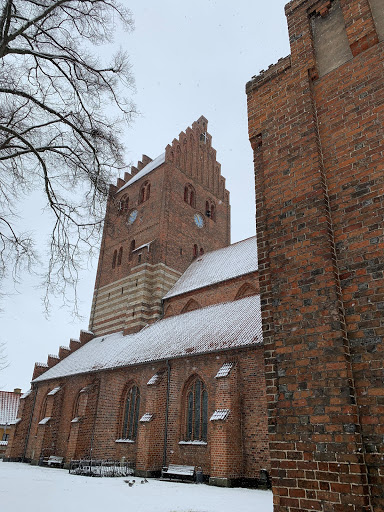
[[35, 489]]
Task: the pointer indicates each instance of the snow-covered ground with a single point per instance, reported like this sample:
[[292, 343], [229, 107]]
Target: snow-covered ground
[[36, 489]]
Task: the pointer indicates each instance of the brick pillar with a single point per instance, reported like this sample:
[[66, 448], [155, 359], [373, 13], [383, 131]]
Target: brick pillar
[[225, 436], [318, 450]]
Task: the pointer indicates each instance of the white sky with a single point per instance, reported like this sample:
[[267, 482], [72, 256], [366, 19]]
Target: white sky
[[189, 59]]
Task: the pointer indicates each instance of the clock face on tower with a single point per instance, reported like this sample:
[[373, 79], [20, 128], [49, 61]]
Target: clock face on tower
[[132, 216], [199, 221]]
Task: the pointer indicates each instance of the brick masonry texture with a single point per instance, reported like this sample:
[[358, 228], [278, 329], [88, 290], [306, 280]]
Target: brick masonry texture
[[317, 138]]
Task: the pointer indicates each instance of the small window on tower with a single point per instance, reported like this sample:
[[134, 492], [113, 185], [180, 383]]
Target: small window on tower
[[120, 256], [145, 192], [195, 251], [114, 259], [190, 195], [131, 248], [213, 212]]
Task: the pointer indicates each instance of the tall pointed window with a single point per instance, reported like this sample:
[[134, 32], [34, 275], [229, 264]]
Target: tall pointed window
[[210, 210], [114, 259], [190, 195], [131, 413], [120, 256], [145, 192], [123, 204], [196, 411]]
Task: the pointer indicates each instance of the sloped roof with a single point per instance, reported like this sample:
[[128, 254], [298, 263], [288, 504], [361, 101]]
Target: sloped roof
[[219, 327], [145, 170], [217, 266], [9, 403]]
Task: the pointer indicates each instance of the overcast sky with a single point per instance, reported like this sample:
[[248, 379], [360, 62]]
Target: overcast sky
[[188, 59]]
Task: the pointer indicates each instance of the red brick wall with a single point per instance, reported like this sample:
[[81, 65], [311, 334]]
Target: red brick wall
[[319, 189], [238, 287], [236, 448]]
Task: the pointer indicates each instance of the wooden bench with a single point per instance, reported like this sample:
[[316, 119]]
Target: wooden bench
[[52, 460], [178, 471]]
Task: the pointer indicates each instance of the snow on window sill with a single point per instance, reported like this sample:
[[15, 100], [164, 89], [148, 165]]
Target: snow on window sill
[[195, 443], [124, 441], [44, 421]]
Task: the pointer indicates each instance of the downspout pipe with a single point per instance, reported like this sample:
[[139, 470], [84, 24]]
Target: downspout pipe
[[95, 420], [34, 387], [166, 414]]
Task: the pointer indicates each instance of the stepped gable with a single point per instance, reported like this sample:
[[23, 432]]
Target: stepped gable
[[220, 327], [192, 153], [53, 360], [218, 266]]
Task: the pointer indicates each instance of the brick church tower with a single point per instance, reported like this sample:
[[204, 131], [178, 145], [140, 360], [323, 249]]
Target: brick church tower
[[316, 127], [163, 214]]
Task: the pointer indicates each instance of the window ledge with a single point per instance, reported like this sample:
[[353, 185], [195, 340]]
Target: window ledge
[[124, 441], [195, 443]]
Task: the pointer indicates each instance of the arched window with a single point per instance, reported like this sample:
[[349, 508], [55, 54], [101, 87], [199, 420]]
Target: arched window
[[196, 411], [191, 305], [123, 204], [114, 259], [120, 256], [130, 413], [246, 290], [195, 251], [43, 410], [132, 248], [213, 212], [201, 251], [145, 192], [210, 210], [190, 195]]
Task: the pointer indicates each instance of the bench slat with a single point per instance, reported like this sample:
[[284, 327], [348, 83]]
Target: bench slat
[[179, 470]]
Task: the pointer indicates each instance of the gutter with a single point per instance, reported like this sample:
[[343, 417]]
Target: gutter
[[166, 415]]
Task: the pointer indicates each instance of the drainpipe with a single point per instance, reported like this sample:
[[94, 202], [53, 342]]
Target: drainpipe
[[94, 423], [166, 414], [30, 424]]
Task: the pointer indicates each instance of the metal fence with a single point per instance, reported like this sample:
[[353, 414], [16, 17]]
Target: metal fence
[[91, 467]]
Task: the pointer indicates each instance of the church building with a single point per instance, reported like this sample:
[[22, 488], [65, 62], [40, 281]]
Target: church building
[[171, 370]]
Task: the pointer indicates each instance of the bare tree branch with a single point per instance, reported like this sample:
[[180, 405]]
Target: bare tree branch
[[55, 135]]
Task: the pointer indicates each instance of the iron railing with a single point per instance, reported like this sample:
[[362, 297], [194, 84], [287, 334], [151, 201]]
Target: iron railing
[[92, 467]]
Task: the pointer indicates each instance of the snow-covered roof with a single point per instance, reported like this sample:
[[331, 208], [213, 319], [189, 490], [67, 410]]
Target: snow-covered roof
[[224, 370], [220, 414], [219, 327], [217, 266], [9, 403], [145, 170]]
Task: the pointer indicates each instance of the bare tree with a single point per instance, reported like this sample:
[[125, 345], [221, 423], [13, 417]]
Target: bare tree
[[60, 110], [3, 357]]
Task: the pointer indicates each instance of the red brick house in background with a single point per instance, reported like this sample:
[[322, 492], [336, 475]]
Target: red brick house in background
[[316, 127], [172, 368], [9, 404]]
